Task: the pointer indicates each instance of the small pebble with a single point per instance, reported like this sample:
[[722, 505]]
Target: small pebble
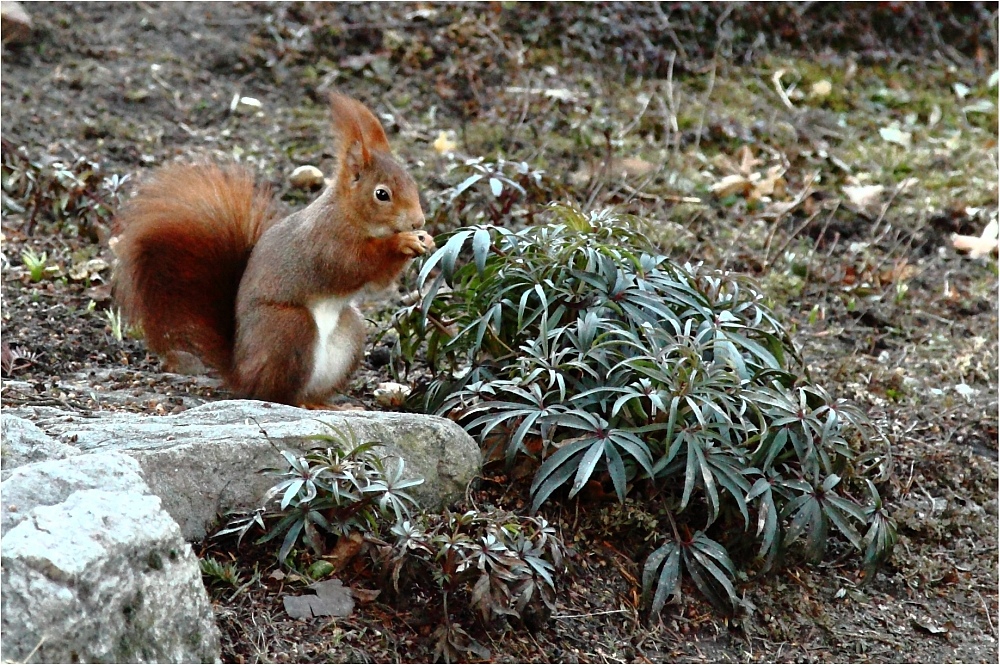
[[306, 177]]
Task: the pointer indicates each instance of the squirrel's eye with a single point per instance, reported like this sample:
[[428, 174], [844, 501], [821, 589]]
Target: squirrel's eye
[[382, 194]]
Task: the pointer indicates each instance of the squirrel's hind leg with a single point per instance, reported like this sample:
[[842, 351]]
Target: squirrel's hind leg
[[274, 353]]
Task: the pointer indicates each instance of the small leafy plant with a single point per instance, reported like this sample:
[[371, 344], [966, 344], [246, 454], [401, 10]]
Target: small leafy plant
[[118, 326], [14, 359], [576, 344], [75, 195], [222, 576], [491, 191], [497, 563], [346, 487], [37, 264], [116, 323], [217, 572]]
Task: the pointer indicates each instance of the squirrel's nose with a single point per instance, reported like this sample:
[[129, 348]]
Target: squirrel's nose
[[417, 219]]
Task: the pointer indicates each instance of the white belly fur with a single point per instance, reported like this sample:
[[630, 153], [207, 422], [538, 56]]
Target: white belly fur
[[333, 353]]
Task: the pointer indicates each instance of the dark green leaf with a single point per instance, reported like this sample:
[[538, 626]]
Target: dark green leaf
[[586, 466], [480, 247], [667, 556]]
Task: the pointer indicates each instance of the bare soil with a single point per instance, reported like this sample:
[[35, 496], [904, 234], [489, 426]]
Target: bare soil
[[644, 107]]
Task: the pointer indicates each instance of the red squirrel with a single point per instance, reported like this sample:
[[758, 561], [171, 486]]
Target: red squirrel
[[206, 266]]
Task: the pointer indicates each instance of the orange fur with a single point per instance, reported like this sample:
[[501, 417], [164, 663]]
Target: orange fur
[[183, 244]]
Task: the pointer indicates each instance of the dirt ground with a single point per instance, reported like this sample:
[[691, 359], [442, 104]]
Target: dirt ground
[[829, 152]]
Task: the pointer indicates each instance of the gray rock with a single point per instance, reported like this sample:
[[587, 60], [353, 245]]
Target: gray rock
[[23, 443], [205, 462], [51, 483], [103, 577], [15, 23]]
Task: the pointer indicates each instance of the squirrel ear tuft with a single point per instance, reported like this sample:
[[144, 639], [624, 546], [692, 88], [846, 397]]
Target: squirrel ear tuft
[[352, 121]]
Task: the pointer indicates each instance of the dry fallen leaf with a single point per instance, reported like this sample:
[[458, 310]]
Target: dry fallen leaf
[[332, 598], [980, 106], [984, 245], [771, 184], [900, 272], [747, 161], [365, 596], [632, 166], [88, 270], [562, 94], [732, 184], [347, 548], [965, 390], [99, 293], [746, 181], [893, 134], [865, 198], [935, 116], [620, 168], [391, 394], [820, 89], [927, 625], [444, 143]]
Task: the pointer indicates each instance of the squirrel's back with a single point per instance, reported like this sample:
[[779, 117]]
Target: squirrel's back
[[182, 245]]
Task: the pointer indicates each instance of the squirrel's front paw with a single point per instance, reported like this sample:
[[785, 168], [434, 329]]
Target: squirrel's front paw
[[415, 243], [428, 241]]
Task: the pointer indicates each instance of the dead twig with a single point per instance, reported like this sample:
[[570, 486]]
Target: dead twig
[[669, 110], [986, 609], [707, 99], [801, 227], [588, 615], [785, 210]]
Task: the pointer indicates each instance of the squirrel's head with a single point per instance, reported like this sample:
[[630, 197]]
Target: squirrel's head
[[375, 186]]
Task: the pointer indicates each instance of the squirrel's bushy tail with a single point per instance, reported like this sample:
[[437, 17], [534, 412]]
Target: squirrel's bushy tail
[[182, 244]]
